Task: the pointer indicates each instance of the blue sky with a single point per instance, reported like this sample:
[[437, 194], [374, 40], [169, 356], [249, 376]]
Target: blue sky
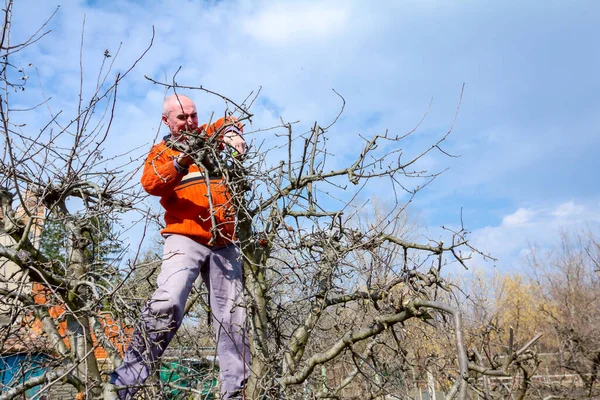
[[528, 130]]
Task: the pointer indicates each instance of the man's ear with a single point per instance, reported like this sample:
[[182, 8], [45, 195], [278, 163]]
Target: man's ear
[[164, 118]]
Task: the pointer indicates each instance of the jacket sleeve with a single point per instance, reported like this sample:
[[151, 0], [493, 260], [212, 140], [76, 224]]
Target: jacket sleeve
[[160, 177]]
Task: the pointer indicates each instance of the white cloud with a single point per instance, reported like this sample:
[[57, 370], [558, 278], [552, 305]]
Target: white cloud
[[519, 217], [535, 226], [297, 22], [569, 210]]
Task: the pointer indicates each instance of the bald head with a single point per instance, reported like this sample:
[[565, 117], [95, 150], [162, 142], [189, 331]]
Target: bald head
[[179, 113], [174, 101]]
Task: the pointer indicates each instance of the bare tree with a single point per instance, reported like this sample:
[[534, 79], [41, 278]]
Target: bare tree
[[59, 172], [330, 298]]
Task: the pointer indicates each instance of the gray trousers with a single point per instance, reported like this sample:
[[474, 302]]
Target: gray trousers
[[183, 260]]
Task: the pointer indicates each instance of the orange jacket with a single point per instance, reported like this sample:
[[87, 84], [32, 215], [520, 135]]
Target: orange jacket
[[185, 198]]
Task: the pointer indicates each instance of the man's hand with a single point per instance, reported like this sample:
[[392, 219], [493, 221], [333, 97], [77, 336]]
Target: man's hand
[[236, 141], [184, 160]]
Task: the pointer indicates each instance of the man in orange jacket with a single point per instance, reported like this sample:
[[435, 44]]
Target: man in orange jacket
[[199, 240]]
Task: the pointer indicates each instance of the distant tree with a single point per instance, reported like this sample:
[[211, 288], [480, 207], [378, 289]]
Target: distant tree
[[104, 247], [507, 300], [503, 315], [556, 297], [570, 283], [53, 240]]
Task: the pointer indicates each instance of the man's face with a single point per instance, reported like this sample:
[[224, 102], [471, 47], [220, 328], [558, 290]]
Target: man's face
[[182, 116]]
